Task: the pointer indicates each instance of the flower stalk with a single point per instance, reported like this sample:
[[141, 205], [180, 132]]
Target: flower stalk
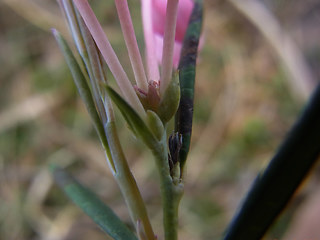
[[132, 45], [151, 56], [168, 44]]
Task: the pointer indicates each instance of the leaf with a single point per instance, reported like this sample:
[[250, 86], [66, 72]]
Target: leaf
[[85, 199], [273, 189], [82, 86], [136, 124], [187, 72], [155, 124], [170, 100]]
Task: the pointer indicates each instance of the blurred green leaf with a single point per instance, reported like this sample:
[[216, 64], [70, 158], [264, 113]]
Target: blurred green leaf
[[92, 206]]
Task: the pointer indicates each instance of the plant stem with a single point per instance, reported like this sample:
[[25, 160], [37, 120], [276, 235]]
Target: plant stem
[[171, 191], [127, 183]]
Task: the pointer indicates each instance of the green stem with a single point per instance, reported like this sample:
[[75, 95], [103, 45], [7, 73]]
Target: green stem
[[127, 184], [171, 191]]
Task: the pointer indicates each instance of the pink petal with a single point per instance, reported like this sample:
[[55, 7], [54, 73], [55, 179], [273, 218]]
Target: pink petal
[[151, 48], [176, 53], [131, 42], [158, 23], [168, 45], [109, 55], [159, 15]]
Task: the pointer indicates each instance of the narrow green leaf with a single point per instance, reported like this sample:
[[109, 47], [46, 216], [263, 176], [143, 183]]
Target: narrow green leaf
[[170, 101], [155, 124], [273, 189], [187, 73], [69, 10], [82, 87], [93, 65], [85, 199], [137, 125]]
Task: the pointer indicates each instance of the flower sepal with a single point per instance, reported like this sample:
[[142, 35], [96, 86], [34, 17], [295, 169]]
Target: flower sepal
[[165, 107], [150, 100]]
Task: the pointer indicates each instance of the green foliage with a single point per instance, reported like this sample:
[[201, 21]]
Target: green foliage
[[92, 206], [155, 124], [170, 101]]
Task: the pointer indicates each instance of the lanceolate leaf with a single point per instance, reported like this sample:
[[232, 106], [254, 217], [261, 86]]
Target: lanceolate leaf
[[133, 119], [187, 72], [82, 87], [92, 206], [275, 186], [170, 101]]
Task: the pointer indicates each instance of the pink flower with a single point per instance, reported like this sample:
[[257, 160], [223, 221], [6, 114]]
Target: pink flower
[[158, 10], [165, 23]]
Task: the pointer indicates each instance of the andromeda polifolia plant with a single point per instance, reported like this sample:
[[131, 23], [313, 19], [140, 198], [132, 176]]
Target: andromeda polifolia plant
[[161, 92], [147, 107]]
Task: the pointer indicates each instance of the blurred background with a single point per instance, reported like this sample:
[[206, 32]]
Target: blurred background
[[258, 66]]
